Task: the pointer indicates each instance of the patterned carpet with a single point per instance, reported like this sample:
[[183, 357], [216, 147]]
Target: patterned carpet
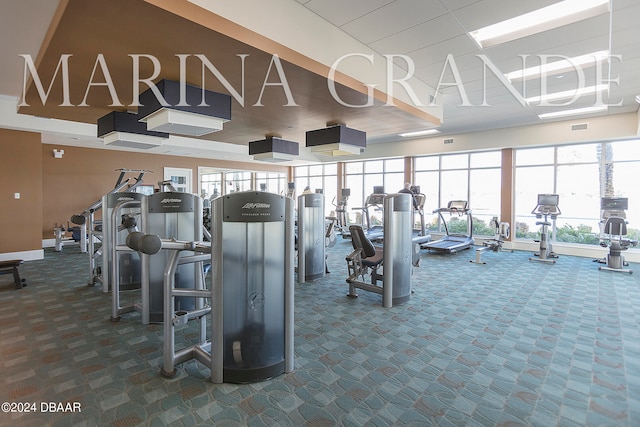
[[509, 343]]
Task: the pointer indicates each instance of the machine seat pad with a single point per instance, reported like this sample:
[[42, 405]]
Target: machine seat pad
[[11, 267], [372, 256], [10, 264]]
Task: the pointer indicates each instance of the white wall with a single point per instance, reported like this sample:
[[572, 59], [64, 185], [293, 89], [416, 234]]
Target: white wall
[[602, 128]]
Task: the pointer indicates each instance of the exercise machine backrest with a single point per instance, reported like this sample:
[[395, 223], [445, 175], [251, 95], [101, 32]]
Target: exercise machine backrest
[[613, 215], [360, 241]]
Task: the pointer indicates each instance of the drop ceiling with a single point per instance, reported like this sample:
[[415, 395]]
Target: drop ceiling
[[430, 35]]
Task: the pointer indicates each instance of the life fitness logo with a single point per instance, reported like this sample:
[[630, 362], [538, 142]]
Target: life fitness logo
[[249, 209], [171, 203], [125, 199]]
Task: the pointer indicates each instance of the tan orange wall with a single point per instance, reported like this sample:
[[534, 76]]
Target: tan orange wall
[[506, 195], [20, 172], [83, 175]]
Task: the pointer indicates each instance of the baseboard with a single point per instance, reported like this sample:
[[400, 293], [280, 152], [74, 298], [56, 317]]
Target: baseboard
[[585, 251], [23, 255], [51, 243]]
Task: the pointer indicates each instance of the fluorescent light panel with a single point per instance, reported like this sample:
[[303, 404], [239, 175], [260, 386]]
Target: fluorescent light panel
[[567, 94], [337, 149], [574, 112], [557, 67], [553, 16], [419, 133], [132, 140], [274, 157], [182, 122]]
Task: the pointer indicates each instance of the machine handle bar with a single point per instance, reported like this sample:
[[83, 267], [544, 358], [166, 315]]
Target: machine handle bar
[[151, 244]]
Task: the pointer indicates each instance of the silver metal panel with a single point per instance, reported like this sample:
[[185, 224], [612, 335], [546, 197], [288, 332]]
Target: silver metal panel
[[169, 215], [311, 231], [398, 247], [252, 289]]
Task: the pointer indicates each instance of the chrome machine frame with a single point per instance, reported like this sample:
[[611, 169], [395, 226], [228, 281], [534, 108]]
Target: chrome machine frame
[[613, 229], [400, 253], [547, 207]]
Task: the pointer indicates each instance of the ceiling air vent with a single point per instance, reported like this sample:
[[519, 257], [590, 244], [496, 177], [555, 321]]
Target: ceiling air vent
[[579, 126], [448, 141]]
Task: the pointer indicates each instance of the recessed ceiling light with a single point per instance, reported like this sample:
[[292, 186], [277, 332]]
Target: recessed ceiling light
[[558, 67], [575, 112], [638, 99], [553, 16], [419, 133]]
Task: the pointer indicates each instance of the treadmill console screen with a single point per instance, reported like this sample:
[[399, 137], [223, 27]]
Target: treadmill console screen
[[548, 199], [459, 205], [614, 203]]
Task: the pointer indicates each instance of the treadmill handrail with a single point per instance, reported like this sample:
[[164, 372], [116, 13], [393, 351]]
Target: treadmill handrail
[[453, 210]]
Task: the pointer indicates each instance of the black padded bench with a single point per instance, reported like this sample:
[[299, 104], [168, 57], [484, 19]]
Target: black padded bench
[[11, 267]]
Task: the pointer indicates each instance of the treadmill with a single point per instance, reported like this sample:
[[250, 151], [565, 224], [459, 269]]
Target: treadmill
[[420, 235], [452, 243], [374, 201]]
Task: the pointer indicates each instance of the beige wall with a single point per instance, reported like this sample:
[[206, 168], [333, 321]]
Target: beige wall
[[600, 128], [83, 175], [51, 190], [20, 172]]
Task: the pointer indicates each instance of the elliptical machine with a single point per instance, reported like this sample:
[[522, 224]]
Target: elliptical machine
[[341, 224], [547, 207], [613, 229]]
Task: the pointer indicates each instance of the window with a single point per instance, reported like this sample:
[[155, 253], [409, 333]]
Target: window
[[581, 174], [237, 181], [321, 177], [362, 177], [211, 185], [271, 182], [474, 177], [180, 178]]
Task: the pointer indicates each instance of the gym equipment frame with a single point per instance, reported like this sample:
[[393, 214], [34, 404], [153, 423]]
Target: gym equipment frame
[[502, 231], [112, 249], [452, 243], [396, 258], [547, 207], [613, 231], [11, 267]]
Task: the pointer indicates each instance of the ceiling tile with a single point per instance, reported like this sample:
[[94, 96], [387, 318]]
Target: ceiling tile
[[425, 34], [393, 18], [453, 5], [339, 12], [437, 53]]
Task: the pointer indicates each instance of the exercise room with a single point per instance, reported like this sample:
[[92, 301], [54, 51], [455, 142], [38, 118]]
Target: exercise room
[[371, 213]]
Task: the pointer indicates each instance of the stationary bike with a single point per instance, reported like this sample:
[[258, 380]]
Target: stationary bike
[[613, 225], [546, 208]]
